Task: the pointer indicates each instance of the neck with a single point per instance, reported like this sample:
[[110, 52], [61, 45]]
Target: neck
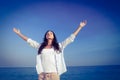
[[49, 42]]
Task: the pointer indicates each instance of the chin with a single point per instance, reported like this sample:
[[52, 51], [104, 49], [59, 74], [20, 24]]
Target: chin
[[50, 38]]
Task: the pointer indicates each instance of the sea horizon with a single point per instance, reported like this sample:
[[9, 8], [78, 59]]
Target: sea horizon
[[98, 72], [66, 66]]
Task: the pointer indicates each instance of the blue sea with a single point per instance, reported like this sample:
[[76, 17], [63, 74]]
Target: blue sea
[[73, 73]]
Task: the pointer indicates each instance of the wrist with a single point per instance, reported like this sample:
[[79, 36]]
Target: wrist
[[80, 27], [18, 33]]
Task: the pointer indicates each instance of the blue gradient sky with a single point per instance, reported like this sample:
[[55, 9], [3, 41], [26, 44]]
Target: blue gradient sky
[[97, 44]]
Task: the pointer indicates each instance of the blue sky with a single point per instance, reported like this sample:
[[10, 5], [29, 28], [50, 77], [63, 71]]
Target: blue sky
[[98, 43]]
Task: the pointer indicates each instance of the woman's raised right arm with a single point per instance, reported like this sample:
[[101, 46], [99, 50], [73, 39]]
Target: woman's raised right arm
[[17, 31], [31, 42]]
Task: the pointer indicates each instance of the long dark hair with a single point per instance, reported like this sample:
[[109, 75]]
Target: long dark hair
[[45, 42]]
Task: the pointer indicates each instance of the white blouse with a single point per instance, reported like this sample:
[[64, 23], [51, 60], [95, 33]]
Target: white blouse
[[50, 60]]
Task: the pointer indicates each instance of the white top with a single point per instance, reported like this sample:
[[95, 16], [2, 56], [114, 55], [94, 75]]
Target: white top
[[50, 60]]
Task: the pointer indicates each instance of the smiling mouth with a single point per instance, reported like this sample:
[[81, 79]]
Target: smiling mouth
[[50, 39]]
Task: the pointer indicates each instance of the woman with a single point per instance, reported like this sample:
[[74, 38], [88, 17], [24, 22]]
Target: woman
[[50, 59]]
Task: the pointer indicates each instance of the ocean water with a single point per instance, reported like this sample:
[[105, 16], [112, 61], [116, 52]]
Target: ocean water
[[73, 73]]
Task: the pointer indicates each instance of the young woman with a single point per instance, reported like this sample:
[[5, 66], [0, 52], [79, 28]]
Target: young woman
[[50, 59]]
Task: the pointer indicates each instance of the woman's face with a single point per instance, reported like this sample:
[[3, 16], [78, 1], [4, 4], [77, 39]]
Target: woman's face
[[49, 35]]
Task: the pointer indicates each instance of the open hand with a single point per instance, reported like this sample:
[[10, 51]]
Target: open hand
[[83, 23], [17, 31]]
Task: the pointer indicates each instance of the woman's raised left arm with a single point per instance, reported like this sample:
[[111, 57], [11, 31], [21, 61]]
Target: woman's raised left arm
[[72, 37], [82, 24]]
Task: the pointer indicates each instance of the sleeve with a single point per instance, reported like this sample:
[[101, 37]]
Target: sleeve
[[68, 41], [39, 67], [33, 43]]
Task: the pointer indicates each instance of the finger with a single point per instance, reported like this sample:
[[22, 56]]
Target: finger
[[18, 30], [13, 29]]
